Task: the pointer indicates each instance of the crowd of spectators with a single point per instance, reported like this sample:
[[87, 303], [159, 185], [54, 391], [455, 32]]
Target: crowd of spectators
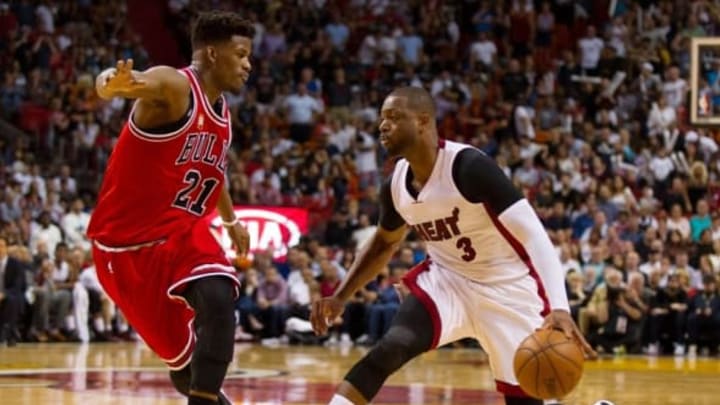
[[583, 107]]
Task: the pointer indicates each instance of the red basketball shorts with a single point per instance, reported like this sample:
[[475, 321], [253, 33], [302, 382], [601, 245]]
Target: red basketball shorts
[[146, 281]]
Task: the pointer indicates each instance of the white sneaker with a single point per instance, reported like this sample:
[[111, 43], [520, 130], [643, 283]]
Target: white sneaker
[[679, 349], [270, 342], [332, 341], [653, 349], [692, 351]]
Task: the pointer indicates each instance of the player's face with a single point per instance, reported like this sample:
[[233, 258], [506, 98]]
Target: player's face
[[398, 125], [233, 63]]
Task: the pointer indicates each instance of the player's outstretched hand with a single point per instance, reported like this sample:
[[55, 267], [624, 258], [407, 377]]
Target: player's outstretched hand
[[324, 312], [561, 320], [118, 81], [240, 238]]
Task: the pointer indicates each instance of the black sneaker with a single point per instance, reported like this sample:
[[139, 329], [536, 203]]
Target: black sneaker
[[223, 399]]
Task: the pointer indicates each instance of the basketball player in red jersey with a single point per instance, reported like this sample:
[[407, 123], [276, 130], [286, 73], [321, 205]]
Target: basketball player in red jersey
[[155, 256], [491, 272]]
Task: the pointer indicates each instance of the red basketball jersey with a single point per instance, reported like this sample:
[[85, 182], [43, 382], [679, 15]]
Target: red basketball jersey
[[156, 184]]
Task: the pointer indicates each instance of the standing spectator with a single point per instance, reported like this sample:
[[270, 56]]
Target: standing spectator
[[674, 88], [338, 32], [301, 109], [590, 48]]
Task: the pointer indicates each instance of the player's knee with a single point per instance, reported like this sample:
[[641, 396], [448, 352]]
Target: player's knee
[[392, 352], [212, 297]]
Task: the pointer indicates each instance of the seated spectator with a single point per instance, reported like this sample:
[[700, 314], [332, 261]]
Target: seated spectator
[[247, 306], [12, 290], [272, 303], [667, 318], [619, 316], [384, 308], [577, 298], [703, 321]]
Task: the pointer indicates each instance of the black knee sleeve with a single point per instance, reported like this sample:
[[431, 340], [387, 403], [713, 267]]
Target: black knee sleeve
[[181, 380], [410, 334], [212, 299]]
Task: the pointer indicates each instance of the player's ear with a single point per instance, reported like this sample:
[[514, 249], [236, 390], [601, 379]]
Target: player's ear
[[211, 54], [424, 119]]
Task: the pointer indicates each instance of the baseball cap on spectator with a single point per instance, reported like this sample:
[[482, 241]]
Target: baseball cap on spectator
[[648, 66], [691, 136]]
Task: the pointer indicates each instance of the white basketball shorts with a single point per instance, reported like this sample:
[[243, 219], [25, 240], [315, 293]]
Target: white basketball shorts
[[499, 316]]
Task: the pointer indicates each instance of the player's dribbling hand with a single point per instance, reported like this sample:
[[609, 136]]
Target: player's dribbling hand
[[561, 320], [240, 238], [324, 312], [119, 80]]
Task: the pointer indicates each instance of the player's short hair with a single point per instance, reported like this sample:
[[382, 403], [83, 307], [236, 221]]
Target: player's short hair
[[418, 99], [218, 26]]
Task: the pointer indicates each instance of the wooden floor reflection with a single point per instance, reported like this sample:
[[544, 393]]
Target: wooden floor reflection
[[121, 373]]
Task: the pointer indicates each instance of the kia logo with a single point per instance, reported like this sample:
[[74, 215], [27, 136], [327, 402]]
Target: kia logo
[[274, 229]]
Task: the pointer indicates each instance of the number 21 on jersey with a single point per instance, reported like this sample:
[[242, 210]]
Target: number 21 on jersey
[[184, 199]]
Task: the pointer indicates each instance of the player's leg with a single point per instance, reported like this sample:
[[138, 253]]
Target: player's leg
[[504, 315], [212, 298], [181, 382], [409, 335]]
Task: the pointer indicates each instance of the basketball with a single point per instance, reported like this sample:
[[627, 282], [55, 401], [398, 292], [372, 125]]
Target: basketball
[[548, 365]]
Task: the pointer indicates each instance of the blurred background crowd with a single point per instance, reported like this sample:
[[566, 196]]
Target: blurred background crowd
[[583, 107]]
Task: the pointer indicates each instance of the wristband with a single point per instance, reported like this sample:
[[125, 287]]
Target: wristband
[[230, 223]]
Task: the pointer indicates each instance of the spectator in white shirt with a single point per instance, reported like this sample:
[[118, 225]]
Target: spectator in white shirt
[[483, 50], [368, 49], [674, 88], [661, 118], [74, 224], [388, 47], [677, 221], [44, 231], [301, 109], [590, 48], [661, 165]]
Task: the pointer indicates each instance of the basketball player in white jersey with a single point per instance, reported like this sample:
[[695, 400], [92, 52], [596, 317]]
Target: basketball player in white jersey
[[491, 273]]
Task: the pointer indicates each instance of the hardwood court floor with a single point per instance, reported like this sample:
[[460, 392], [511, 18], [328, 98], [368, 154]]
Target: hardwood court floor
[[122, 373]]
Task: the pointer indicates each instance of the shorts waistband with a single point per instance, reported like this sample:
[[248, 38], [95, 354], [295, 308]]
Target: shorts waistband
[[114, 249]]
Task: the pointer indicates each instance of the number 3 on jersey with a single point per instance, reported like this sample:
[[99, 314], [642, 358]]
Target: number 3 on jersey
[[193, 179], [465, 244]]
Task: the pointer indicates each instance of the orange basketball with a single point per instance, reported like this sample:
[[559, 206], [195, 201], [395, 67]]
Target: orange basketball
[[243, 263], [548, 365]]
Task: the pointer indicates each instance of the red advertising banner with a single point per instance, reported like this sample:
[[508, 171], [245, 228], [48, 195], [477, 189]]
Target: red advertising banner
[[273, 228]]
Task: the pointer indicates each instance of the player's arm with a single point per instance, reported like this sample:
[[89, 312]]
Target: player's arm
[[481, 180], [237, 232], [369, 262], [378, 251], [159, 84]]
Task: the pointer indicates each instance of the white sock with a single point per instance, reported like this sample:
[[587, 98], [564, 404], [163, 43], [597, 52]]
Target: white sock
[[338, 399]]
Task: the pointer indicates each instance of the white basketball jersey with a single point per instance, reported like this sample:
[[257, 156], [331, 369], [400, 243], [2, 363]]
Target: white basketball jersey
[[460, 236]]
